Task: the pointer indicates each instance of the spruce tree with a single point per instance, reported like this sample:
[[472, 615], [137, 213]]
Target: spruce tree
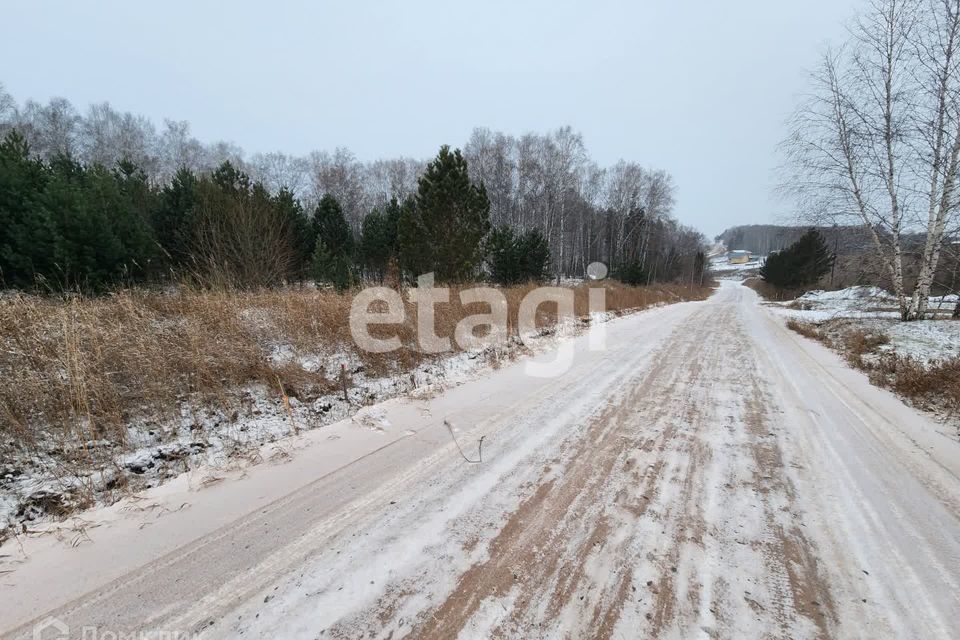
[[814, 259], [443, 230]]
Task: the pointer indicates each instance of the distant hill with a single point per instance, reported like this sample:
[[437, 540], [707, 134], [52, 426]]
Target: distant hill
[[761, 239]]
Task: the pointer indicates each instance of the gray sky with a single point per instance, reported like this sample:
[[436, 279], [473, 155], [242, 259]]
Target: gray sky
[[698, 88]]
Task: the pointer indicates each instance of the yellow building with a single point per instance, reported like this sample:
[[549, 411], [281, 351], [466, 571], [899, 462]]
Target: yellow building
[[740, 256]]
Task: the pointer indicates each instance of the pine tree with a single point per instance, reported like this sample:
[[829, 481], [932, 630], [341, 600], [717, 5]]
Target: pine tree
[[375, 244], [101, 239], [512, 258], [134, 212], [174, 217], [28, 235], [334, 248], [333, 267], [392, 213], [330, 226], [416, 250], [534, 255], [801, 264], [631, 272], [502, 261], [290, 211], [443, 230]]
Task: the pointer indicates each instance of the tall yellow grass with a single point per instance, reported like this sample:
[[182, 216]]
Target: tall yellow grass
[[83, 367]]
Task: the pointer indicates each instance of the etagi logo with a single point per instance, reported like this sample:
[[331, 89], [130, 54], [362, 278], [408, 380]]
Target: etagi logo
[[51, 629], [391, 311]]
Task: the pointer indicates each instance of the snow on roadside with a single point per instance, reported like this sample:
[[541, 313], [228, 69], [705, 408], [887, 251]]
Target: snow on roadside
[[35, 486], [722, 268], [874, 310]]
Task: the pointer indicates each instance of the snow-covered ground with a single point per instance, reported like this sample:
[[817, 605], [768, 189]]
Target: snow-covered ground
[[722, 268], [36, 485], [875, 310], [710, 473]]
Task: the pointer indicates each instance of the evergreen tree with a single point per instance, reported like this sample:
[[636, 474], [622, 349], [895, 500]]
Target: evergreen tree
[[135, 213], [330, 226], [512, 258], [231, 180], [415, 247], [100, 238], [28, 235], [375, 244], [632, 273], [333, 267], [334, 248], [304, 242], [801, 264], [378, 239], [443, 230], [174, 217], [534, 253], [392, 214], [502, 261]]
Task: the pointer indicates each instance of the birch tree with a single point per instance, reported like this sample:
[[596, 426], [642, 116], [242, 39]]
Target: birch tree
[[878, 140]]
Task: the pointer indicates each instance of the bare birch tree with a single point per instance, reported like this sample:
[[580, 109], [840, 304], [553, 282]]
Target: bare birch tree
[[878, 140]]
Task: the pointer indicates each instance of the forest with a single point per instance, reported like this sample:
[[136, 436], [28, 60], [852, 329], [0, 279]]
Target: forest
[[103, 198]]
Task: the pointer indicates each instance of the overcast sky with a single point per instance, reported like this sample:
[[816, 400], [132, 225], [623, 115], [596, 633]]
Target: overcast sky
[[698, 88]]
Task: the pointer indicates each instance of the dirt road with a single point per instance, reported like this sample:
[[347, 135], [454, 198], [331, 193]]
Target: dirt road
[[710, 474]]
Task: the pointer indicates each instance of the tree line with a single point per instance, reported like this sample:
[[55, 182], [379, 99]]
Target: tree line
[[70, 226], [535, 205]]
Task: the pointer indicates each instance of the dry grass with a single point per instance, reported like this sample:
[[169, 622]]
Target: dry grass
[[807, 330], [934, 385], [769, 292], [858, 343], [83, 367]]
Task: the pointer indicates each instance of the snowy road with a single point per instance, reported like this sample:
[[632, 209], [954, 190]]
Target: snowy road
[[710, 474]]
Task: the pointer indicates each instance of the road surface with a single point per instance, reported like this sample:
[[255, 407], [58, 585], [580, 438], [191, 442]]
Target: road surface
[[710, 474]]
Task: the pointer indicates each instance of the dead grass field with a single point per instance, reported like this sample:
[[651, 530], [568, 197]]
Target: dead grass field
[[935, 385], [81, 367]]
